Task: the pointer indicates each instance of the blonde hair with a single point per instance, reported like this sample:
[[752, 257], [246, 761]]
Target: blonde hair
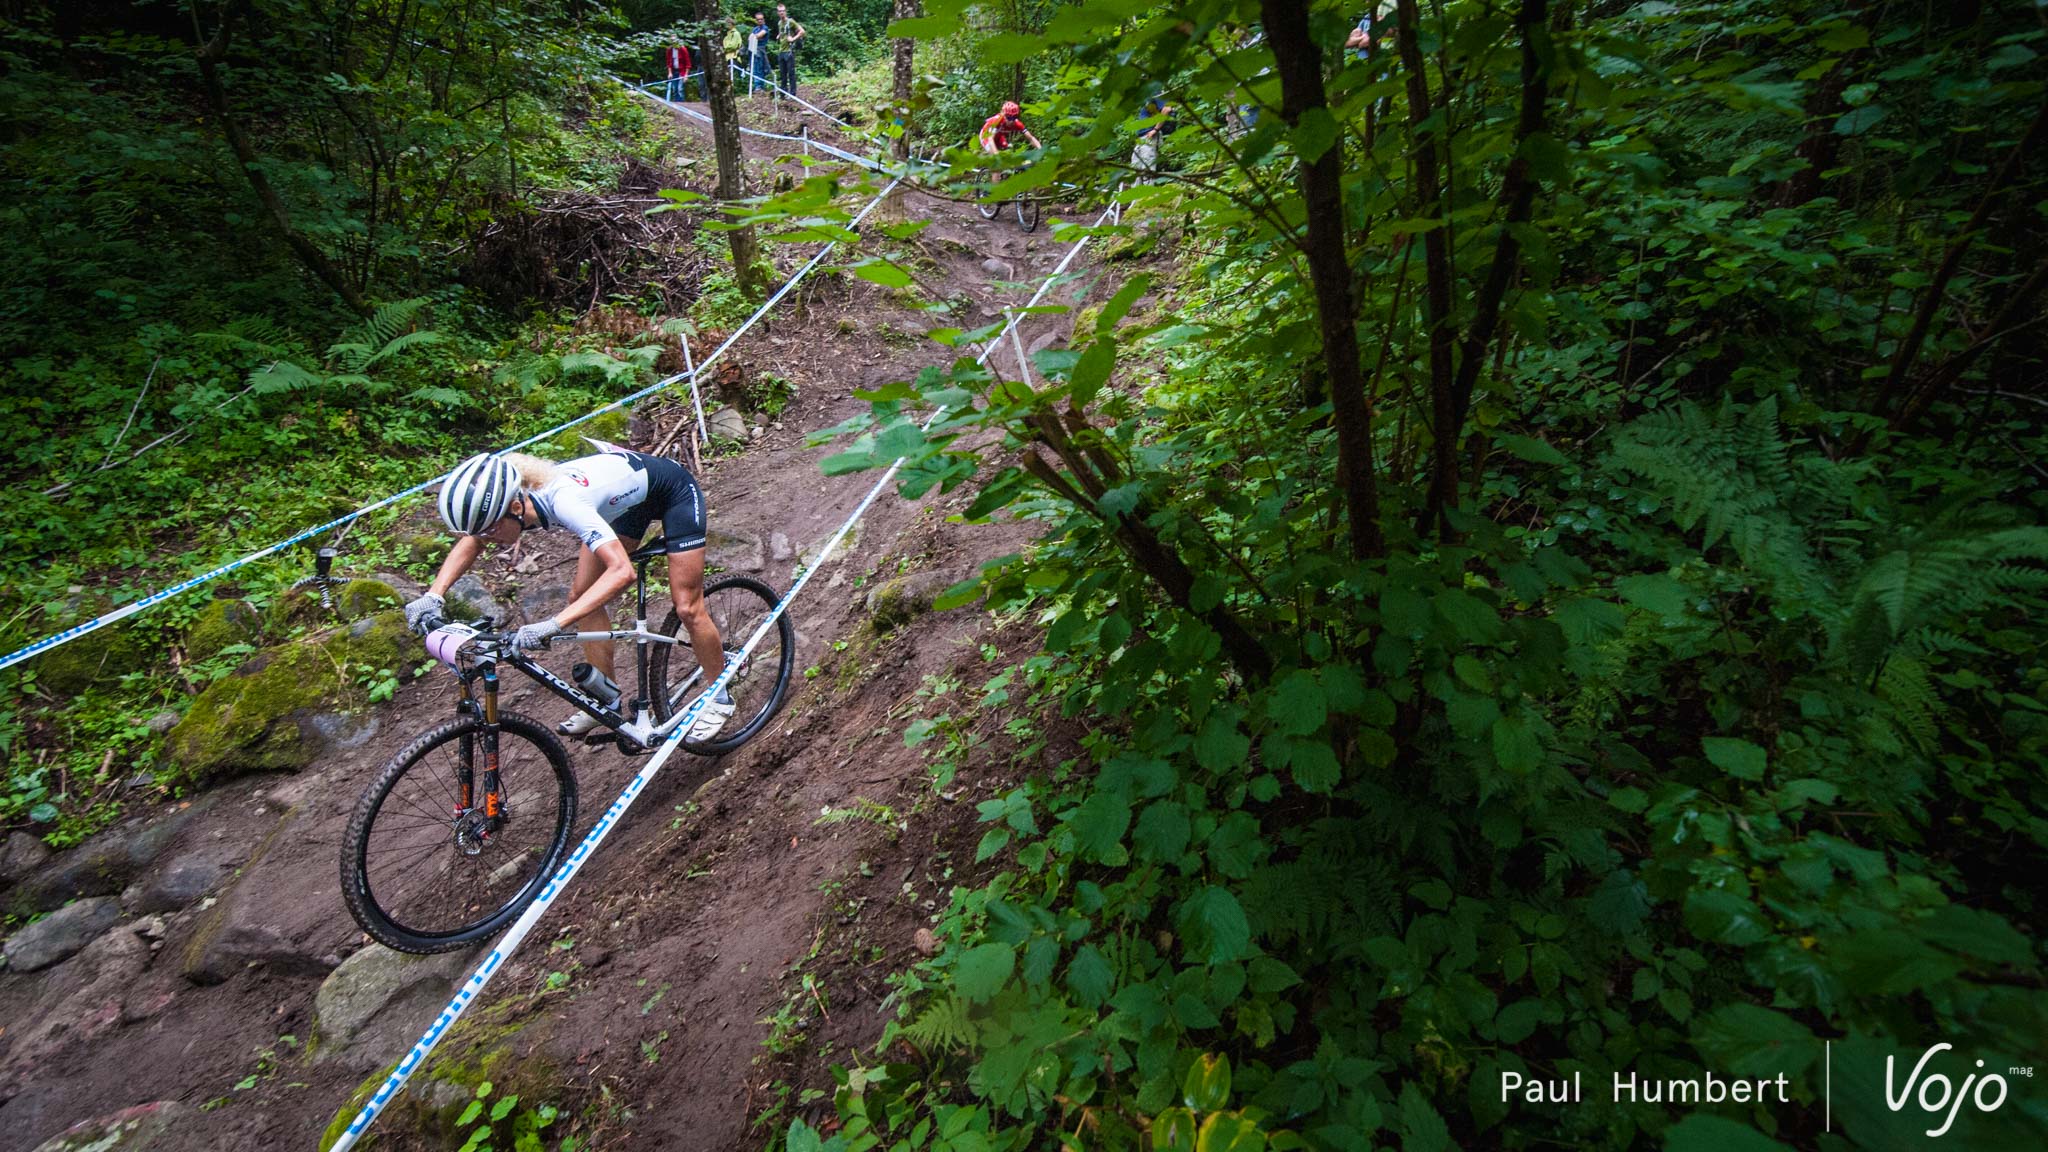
[[534, 472]]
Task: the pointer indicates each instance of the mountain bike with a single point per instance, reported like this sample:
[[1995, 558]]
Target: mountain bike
[[460, 830], [1027, 208]]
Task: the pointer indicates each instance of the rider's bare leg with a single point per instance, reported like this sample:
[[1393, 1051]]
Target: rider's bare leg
[[686, 588], [597, 652]]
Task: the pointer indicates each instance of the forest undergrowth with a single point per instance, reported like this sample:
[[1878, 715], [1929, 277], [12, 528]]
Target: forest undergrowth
[[1553, 581], [1550, 572], [192, 375]]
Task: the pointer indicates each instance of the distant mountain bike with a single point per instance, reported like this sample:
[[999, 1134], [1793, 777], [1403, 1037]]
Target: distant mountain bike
[[459, 831], [1028, 209]]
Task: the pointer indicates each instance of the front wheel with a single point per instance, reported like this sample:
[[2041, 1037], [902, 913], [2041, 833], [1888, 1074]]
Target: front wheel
[[738, 605], [1028, 210], [982, 204], [430, 863]]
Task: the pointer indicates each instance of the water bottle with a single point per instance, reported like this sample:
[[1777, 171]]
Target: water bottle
[[595, 684]]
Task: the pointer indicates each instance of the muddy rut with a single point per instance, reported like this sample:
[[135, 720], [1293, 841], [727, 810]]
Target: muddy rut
[[639, 1003]]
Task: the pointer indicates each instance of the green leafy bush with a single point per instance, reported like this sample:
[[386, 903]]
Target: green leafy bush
[[1665, 702]]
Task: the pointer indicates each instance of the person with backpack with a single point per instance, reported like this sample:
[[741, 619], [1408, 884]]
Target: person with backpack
[[734, 43], [787, 33]]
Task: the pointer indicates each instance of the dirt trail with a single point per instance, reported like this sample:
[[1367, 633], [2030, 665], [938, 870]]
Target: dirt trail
[[685, 924]]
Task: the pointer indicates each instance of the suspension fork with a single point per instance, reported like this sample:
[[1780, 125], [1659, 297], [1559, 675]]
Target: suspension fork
[[465, 751], [494, 802]]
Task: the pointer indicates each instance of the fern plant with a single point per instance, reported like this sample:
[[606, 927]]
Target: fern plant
[[942, 1025], [378, 342], [1730, 475]]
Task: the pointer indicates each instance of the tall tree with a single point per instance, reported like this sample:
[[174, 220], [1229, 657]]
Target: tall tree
[[1426, 130], [905, 63], [1303, 102], [1517, 197], [211, 51], [725, 134]]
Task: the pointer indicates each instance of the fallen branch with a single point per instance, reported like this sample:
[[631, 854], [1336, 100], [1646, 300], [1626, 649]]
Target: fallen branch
[[175, 435]]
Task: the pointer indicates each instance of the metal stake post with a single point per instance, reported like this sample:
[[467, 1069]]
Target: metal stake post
[[703, 436]]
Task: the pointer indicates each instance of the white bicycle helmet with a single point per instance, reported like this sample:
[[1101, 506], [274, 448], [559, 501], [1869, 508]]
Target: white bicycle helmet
[[477, 493]]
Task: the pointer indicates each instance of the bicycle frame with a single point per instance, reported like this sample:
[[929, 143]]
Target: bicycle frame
[[641, 731]]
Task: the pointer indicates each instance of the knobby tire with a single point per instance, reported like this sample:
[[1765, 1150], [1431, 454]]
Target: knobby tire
[[442, 873]]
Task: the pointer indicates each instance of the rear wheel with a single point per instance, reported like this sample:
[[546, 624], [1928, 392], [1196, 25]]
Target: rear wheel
[[423, 873], [738, 606]]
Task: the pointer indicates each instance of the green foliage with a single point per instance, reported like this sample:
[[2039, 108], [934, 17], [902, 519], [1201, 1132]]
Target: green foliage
[[1706, 723], [486, 1124], [769, 394], [175, 359]]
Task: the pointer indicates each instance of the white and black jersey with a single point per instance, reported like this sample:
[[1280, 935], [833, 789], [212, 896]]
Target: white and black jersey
[[619, 493]]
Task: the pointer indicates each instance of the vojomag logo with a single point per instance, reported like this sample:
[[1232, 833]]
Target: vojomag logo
[[1939, 1096]]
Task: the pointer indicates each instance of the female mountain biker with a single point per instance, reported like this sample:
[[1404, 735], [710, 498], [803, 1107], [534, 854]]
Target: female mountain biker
[[606, 500], [997, 129]]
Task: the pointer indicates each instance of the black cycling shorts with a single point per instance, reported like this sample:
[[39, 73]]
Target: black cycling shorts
[[672, 498]]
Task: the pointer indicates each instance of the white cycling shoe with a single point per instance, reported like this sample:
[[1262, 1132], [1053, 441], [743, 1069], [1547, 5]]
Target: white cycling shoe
[[585, 726], [712, 719]]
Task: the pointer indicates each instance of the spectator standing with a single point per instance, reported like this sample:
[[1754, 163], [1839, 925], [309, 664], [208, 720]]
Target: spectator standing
[[677, 57], [757, 53], [734, 43], [1158, 115], [787, 34], [1363, 38]]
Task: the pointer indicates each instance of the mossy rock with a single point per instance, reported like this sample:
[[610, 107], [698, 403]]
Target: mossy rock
[[220, 624], [1136, 246], [422, 548], [258, 719], [365, 597], [293, 608], [501, 1044], [353, 1105], [613, 427], [101, 655], [897, 602], [354, 600]]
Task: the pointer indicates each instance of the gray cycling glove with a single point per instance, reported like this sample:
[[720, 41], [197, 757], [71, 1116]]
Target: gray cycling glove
[[536, 635], [426, 613]]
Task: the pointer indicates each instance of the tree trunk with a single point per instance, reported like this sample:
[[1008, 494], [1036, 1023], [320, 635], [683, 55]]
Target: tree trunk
[[725, 135], [1517, 196], [1300, 64], [1821, 145], [210, 54], [906, 49], [1935, 294], [1095, 474], [1436, 262]]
